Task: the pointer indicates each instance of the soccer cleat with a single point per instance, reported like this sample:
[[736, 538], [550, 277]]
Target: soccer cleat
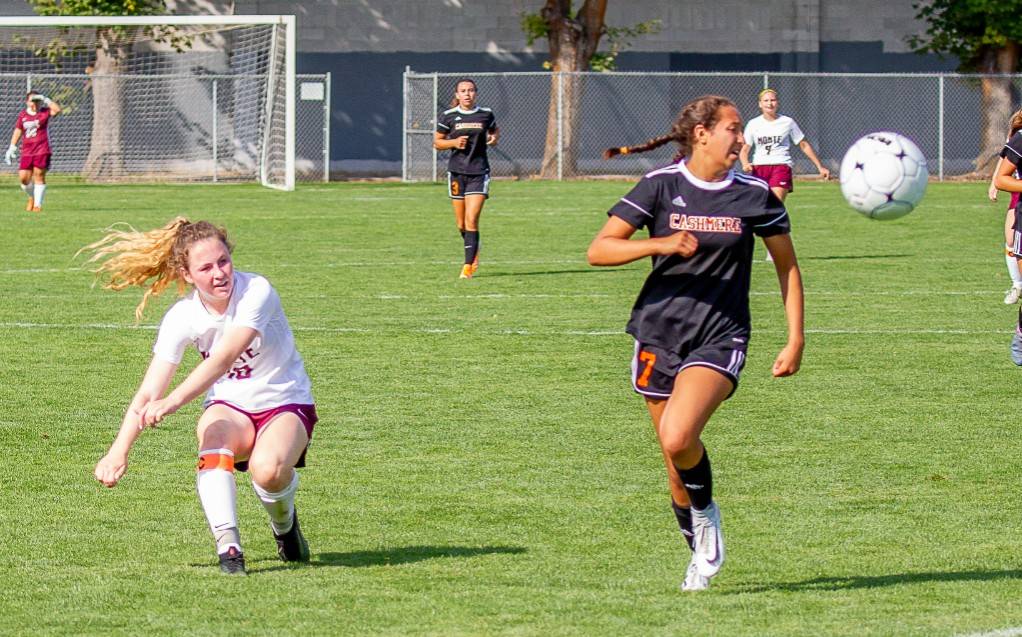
[[1012, 295], [693, 580], [1016, 348], [708, 554], [36, 209], [467, 271], [232, 562], [291, 546], [30, 206], [475, 264]]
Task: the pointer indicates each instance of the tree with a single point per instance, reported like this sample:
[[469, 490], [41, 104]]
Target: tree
[[985, 35], [112, 44], [574, 41]]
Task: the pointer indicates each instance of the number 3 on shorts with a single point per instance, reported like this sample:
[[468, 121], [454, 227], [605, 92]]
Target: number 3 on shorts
[[455, 187], [650, 359]]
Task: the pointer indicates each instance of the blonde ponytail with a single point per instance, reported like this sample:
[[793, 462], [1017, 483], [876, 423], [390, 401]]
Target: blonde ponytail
[[151, 260]]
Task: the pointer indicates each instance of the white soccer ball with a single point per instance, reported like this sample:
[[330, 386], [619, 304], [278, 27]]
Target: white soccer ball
[[883, 175]]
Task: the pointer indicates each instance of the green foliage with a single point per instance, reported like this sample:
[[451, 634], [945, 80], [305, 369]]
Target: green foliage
[[619, 39], [98, 7], [533, 26], [967, 28]]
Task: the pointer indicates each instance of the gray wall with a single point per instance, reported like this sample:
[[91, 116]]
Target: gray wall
[[366, 44]]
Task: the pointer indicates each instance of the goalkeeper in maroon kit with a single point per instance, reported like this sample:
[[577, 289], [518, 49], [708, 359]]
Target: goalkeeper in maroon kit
[[30, 128]]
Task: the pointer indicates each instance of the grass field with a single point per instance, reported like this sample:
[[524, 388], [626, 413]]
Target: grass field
[[482, 466]]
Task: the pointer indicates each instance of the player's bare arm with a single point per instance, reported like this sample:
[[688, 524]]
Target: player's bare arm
[[789, 360], [743, 156], [234, 343], [807, 148], [613, 245], [111, 467], [1005, 180], [493, 138], [440, 142]]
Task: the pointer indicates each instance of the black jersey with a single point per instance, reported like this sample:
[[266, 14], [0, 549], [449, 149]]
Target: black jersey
[[1012, 151], [704, 298], [476, 124]]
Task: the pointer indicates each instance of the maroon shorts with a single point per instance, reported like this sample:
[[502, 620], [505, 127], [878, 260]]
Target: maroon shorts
[[28, 162], [259, 419], [776, 176]]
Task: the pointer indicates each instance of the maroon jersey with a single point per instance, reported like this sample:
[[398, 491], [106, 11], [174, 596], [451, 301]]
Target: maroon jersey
[[34, 139]]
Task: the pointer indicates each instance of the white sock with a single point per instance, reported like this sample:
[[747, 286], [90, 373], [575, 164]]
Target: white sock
[[280, 505], [28, 189], [40, 190], [218, 494], [1013, 272]]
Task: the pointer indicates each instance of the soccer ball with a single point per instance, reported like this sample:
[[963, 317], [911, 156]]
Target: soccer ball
[[883, 175]]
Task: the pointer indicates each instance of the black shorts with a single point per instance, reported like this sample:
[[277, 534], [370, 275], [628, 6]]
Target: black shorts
[[1015, 249], [654, 368], [459, 185]]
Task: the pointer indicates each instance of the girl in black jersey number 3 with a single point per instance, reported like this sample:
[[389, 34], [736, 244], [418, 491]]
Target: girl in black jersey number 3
[[466, 130], [691, 321]]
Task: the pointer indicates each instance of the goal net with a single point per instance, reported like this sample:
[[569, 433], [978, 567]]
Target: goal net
[[164, 98]]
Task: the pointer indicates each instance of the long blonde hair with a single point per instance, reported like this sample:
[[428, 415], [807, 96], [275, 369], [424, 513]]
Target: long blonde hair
[[151, 260]]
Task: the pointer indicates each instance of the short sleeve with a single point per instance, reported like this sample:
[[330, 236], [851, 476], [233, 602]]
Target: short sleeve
[[174, 335], [796, 133], [442, 125], [1012, 151], [773, 219], [749, 134], [257, 306], [639, 205], [493, 122]]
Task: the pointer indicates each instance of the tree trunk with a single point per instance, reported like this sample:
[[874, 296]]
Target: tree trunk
[[106, 153], [573, 41], [996, 109]]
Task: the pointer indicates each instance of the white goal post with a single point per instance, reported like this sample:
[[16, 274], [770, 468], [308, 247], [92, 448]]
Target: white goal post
[[159, 98]]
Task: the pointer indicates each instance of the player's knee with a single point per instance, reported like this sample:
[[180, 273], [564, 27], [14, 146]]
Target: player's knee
[[679, 443], [270, 474]]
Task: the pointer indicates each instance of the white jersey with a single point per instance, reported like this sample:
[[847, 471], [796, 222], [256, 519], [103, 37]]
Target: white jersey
[[771, 141], [268, 374]]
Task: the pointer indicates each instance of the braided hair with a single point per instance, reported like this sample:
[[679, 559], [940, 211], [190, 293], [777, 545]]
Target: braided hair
[[702, 110]]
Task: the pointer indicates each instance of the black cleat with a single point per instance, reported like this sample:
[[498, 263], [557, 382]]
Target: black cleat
[[291, 546], [232, 562]]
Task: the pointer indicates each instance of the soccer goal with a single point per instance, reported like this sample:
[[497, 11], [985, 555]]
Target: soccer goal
[[161, 98]]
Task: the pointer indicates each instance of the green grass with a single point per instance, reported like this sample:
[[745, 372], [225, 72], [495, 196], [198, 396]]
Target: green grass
[[482, 466]]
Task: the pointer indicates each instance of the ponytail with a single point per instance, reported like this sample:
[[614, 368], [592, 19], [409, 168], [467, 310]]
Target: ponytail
[[1015, 122], [151, 260], [702, 110]]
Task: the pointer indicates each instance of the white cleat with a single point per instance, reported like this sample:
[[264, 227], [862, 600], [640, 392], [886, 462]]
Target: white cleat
[[708, 554], [693, 580], [1012, 295]]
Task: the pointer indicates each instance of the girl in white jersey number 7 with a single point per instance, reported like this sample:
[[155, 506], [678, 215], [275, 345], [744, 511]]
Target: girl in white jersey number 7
[[258, 408]]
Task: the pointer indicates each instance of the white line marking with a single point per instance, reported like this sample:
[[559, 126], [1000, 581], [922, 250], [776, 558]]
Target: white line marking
[[1003, 632], [510, 330]]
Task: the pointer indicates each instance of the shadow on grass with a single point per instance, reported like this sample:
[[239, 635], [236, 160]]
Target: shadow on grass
[[391, 556], [877, 581], [856, 256], [593, 270]]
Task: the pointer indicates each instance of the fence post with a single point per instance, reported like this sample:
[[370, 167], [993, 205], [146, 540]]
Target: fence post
[[560, 126], [436, 96], [404, 123], [326, 132], [28, 83], [940, 127], [216, 138], [766, 80]]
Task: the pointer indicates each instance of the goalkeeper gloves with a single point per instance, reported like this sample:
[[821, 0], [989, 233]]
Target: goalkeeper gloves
[[11, 153], [39, 97]]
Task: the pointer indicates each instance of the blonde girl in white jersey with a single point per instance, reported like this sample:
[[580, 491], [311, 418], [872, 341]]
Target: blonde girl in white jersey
[[258, 409], [770, 137]]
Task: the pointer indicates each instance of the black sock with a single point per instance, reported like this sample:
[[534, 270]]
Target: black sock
[[698, 482], [471, 245], [684, 515]]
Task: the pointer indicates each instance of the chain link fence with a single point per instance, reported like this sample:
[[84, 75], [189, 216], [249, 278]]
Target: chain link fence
[[185, 128], [556, 125]]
